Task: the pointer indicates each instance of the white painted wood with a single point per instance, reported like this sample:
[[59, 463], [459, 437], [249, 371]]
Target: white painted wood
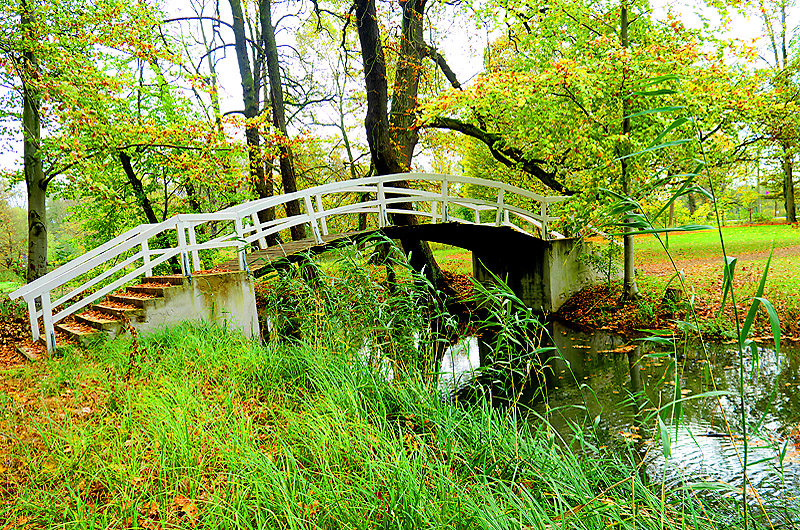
[[312, 219], [32, 318], [543, 213], [243, 233], [184, 259], [146, 258], [195, 254], [321, 211], [262, 241], [240, 247], [97, 279], [110, 288], [383, 218], [500, 196], [49, 330], [445, 192]]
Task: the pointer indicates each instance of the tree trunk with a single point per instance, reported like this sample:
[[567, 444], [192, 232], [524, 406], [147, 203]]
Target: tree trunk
[[630, 290], [385, 154], [138, 188], [147, 207], [262, 183], [35, 180], [402, 132], [788, 188], [288, 175]]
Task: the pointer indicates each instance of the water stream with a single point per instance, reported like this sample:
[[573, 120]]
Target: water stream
[[626, 382]]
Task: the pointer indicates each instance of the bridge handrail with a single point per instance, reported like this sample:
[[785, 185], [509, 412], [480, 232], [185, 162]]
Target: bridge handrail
[[248, 228]]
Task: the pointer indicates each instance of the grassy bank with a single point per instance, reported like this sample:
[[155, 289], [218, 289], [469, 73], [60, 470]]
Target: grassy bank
[[201, 428]]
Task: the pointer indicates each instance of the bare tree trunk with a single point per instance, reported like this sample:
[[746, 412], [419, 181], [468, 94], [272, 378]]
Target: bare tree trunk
[[402, 132], [788, 188], [288, 175], [262, 183], [630, 290], [35, 180], [384, 152]]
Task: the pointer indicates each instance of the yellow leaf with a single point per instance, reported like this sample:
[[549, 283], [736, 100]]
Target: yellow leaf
[[50, 465]]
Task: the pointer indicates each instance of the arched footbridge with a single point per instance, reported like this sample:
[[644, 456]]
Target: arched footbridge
[[504, 237]]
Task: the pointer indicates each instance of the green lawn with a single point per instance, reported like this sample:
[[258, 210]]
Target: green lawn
[[706, 243]]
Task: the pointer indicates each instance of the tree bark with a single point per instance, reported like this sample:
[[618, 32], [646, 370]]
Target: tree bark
[[376, 120], [510, 156], [262, 184], [630, 290], [35, 180], [788, 186], [385, 156], [288, 175], [147, 207], [138, 188]]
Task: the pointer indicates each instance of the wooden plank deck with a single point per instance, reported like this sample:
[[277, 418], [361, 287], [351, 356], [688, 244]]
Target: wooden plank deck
[[263, 258]]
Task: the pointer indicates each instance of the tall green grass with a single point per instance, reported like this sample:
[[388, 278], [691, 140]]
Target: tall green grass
[[212, 430]]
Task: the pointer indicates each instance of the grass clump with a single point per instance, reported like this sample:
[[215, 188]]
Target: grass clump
[[211, 430]]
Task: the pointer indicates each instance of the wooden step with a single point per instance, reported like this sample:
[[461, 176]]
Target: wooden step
[[131, 300], [154, 289], [101, 321], [119, 310], [173, 279], [81, 333], [32, 350]]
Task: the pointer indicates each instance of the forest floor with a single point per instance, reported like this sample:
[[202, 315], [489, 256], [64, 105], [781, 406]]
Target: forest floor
[[697, 257]]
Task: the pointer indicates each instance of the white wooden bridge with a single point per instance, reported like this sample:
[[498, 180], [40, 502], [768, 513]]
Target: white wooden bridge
[[328, 207]]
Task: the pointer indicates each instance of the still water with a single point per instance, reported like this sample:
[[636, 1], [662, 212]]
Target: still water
[[626, 383]]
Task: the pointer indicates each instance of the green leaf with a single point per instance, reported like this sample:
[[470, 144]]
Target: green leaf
[[654, 111], [671, 127], [751, 314], [665, 440], [727, 279], [774, 322], [709, 486], [659, 92], [656, 148], [658, 79], [684, 228]]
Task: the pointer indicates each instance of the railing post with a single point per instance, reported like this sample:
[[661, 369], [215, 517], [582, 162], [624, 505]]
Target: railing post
[[262, 241], [433, 212], [32, 317], [146, 258], [506, 219], [545, 234], [477, 216], [240, 244], [500, 207], [179, 226], [312, 219], [383, 219], [445, 216], [195, 254], [320, 211], [47, 317]]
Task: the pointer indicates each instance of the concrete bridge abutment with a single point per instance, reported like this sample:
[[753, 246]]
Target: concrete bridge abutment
[[542, 273]]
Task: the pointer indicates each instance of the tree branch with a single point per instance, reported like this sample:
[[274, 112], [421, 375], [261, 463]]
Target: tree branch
[[510, 156], [437, 57]]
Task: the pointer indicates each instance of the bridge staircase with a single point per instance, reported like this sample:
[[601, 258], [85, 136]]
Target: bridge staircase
[[98, 295]]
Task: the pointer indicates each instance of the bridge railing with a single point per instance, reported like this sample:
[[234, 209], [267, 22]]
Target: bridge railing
[[135, 252]]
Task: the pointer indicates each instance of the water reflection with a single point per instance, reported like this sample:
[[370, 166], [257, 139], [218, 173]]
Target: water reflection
[[626, 383]]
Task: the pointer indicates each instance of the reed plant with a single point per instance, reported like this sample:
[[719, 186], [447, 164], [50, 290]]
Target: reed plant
[[199, 427]]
